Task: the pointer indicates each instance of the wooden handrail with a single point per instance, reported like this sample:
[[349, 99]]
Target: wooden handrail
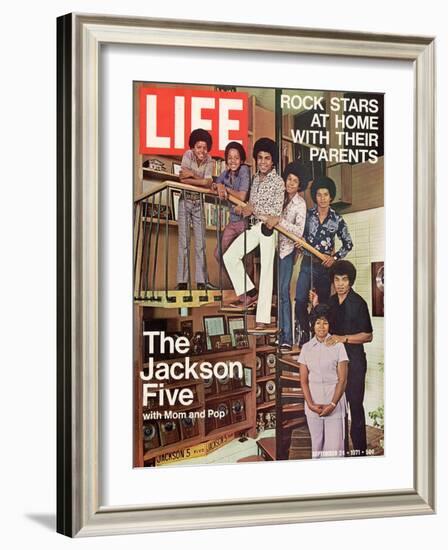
[[283, 231], [176, 185], [236, 202]]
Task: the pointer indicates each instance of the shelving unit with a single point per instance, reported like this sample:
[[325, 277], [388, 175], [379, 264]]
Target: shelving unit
[[148, 173], [179, 446], [202, 402], [290, 377], [225, 354], [266, 349], [267, 408], [225, 395], [266, 378], [234, 428], [264, 406]]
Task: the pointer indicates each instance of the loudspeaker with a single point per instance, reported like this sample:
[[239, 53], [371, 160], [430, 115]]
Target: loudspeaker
[[151, 438], [169, 432]]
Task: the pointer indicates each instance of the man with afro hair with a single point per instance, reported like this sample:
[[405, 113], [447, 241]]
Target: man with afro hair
[[296, 177], [265, 203], [233, 181], [323, 225]]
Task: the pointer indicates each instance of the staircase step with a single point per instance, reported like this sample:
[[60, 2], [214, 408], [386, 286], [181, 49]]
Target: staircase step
[[295, 351], [294, 394], [294, 423], [293, 407], [237, 310], [290, 376], [178, 298], [290, 360], [300, 447]]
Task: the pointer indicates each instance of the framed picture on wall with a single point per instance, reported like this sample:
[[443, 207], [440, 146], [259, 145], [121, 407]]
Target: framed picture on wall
[[241, 338], [186, 328], [175, 197], [377, 289], [176, 168], [235, 323], [214, 325], [326, 121]]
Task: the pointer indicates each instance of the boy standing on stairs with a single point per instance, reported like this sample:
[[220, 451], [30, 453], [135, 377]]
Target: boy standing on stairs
[[197, 169], [265, 202]]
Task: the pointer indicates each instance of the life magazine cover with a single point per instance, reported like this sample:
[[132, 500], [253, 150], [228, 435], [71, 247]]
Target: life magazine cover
[[258, 274]]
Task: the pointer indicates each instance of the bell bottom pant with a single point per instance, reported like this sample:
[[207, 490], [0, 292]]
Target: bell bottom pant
[[321, 283], [190, 213], [285, 313], [233, 260]]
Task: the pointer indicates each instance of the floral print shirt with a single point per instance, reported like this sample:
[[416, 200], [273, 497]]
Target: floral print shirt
[[322, 235], [267, 196]]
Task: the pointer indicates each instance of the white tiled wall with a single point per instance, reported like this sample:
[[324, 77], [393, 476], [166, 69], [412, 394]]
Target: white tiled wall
[[367, 231]]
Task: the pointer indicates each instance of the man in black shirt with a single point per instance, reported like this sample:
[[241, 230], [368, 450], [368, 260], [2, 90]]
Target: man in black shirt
[[350, 324]]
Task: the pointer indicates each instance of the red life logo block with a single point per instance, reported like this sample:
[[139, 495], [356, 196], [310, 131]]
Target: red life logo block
[[169, 115]]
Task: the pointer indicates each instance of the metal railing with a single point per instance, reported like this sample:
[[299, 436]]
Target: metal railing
[[154, 213]]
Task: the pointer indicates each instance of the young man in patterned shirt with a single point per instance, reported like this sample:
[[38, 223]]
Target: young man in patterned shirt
[[322, 226], [296, 178], [266, 201]]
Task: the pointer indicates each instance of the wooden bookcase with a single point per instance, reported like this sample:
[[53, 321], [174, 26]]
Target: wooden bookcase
[[266, 380], [228, 396]]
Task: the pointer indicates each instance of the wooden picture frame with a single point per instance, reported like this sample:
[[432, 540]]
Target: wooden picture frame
[[235, 323], [186, 328], [377, 274], [208, 321], [241, 338], [176, 168], [174, 200], [80, 508]]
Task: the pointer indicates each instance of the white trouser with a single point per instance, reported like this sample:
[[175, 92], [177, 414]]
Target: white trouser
[[233, 260], [327, 436]]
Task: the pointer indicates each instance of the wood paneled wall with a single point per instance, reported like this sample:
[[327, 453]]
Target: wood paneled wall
[[367, 187]]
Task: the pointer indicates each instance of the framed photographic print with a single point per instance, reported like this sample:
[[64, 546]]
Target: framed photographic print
[[174, 198], [186, 327], [235, 323], [176, 168], [214, 326], [350, 114], [378, 289], [220, 342], [241, 338]]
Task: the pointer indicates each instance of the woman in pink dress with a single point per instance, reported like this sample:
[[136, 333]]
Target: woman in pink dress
[[323, 375]]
